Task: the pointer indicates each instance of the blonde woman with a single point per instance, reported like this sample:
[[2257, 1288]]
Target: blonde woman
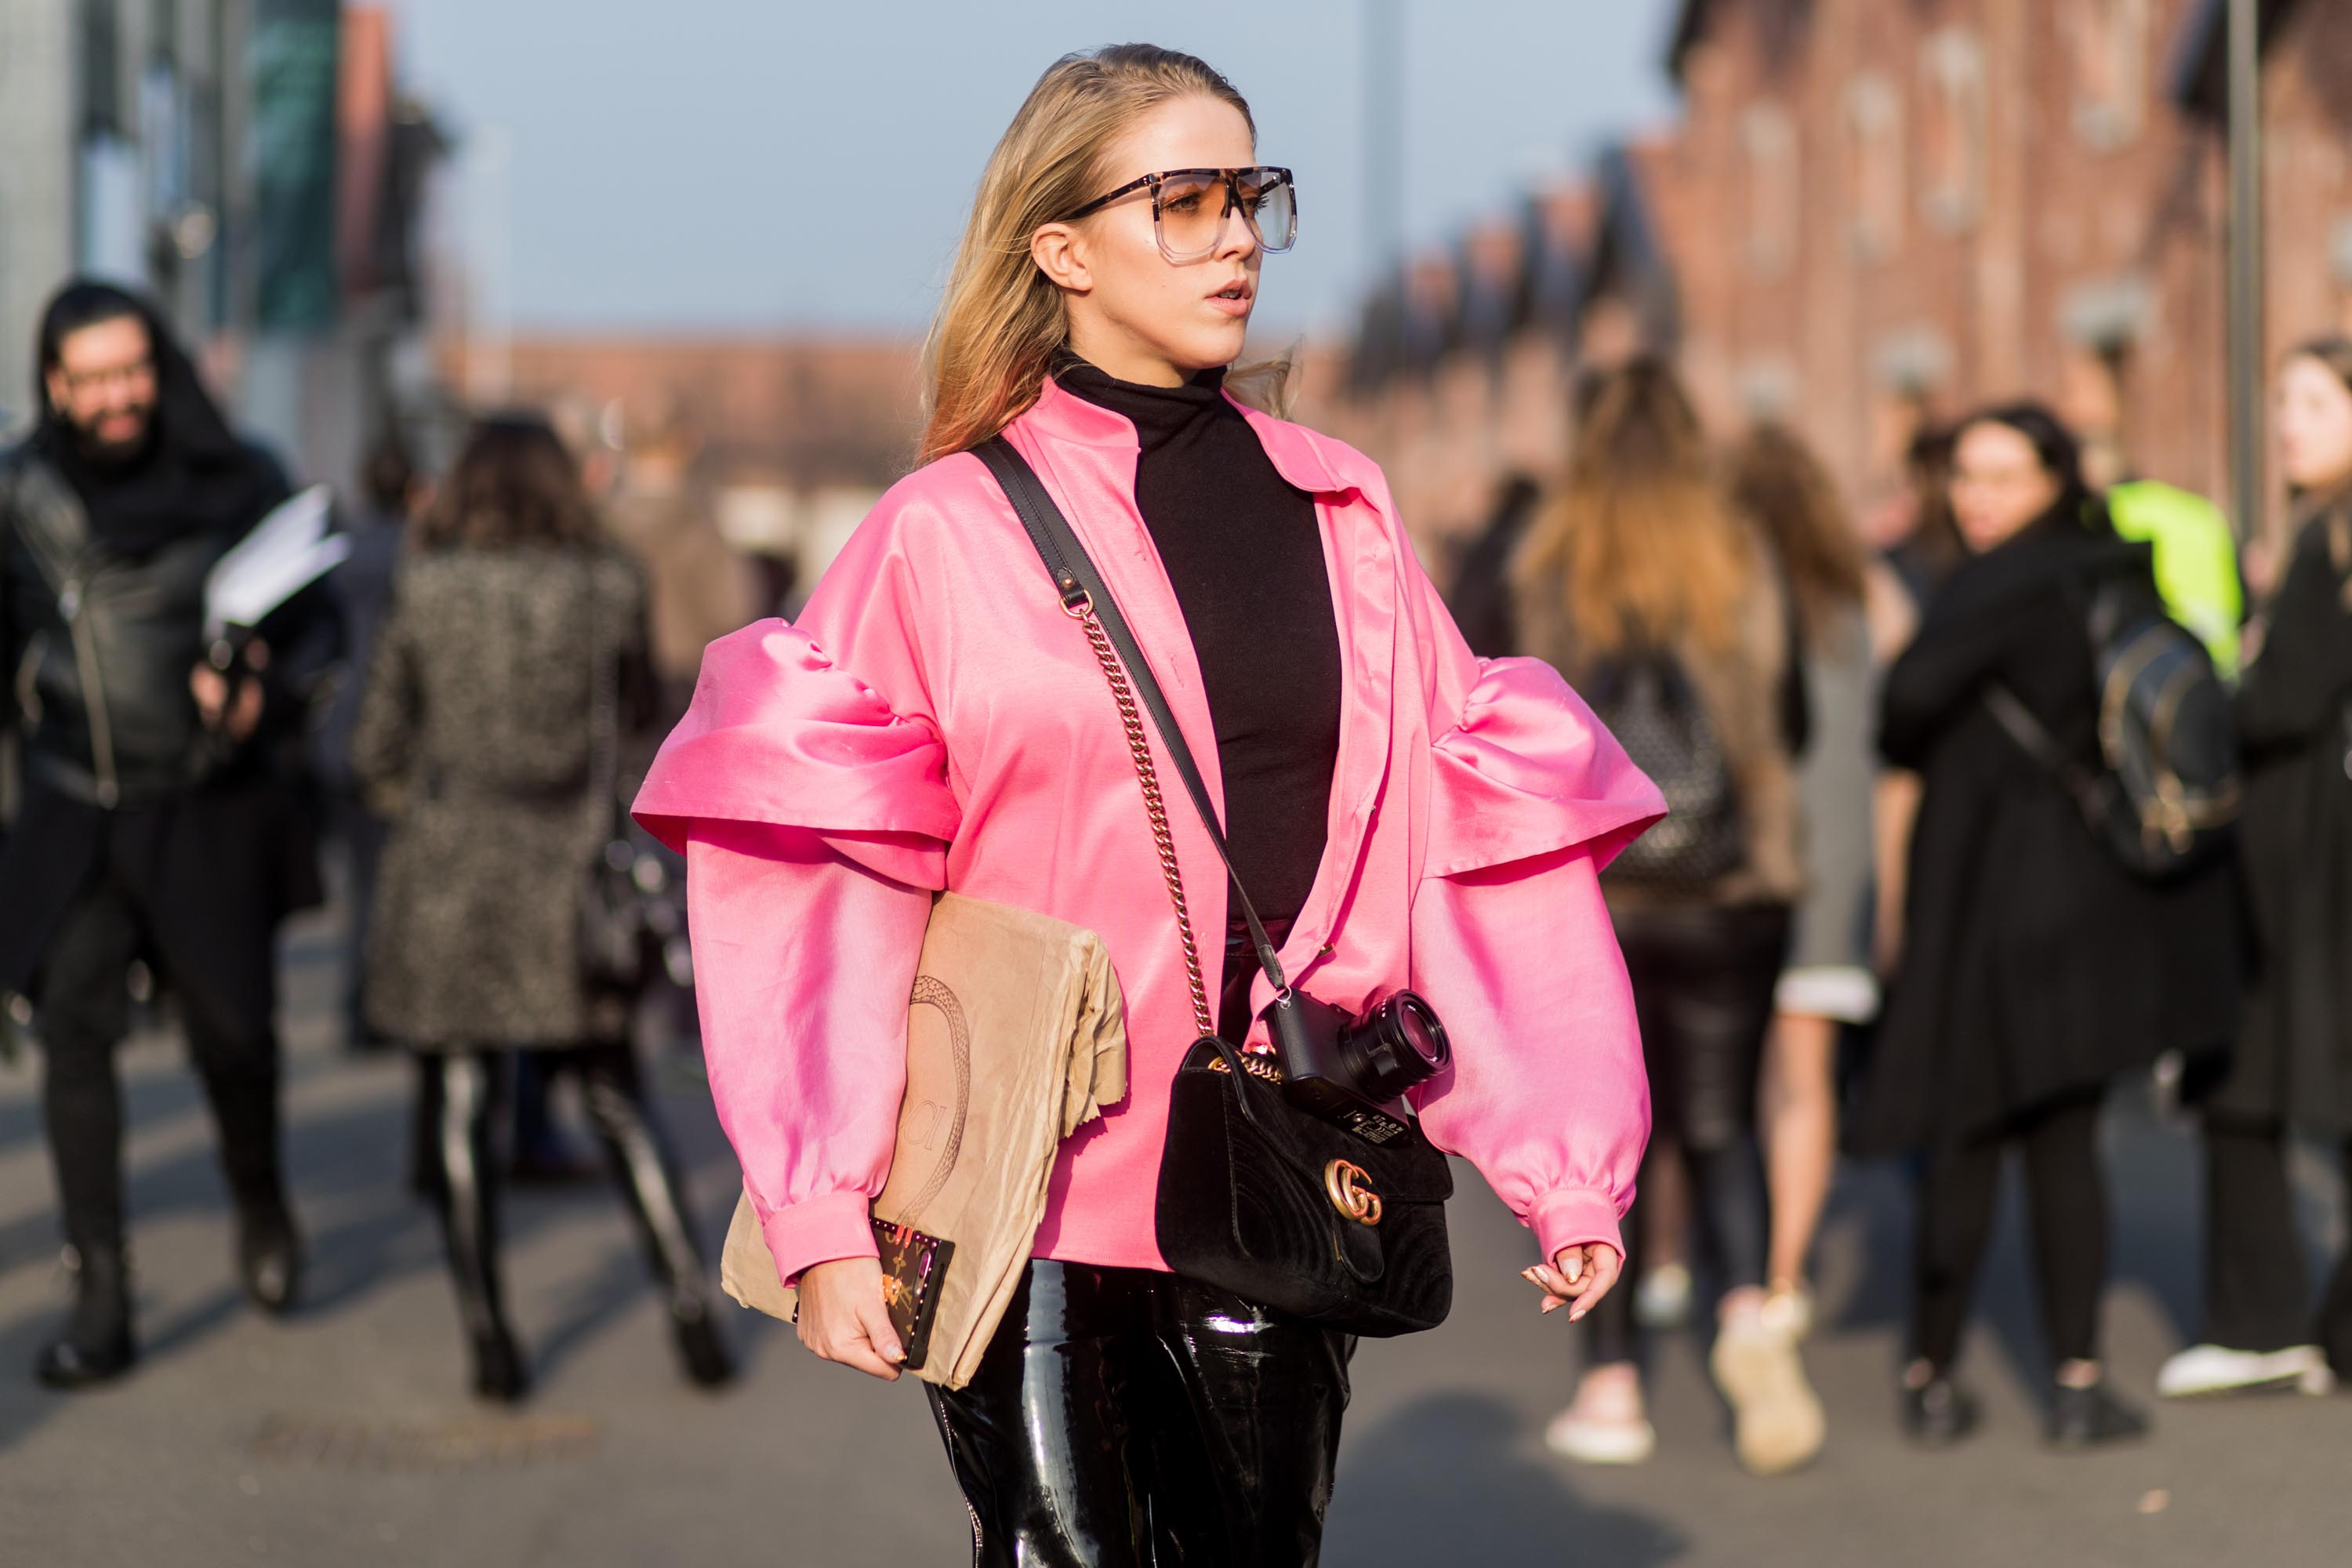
[[1403, 814], [1644, 584]]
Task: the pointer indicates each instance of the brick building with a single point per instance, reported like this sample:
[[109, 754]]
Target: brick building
[[1874, 212], [798, 436]]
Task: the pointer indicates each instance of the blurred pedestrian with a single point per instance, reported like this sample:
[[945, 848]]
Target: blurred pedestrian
[[1665, 606], [1830, 982], [2293, 1069], [1481, 598], [513, 659], [698, 586], [937, 713], [2036, 966], [158, 824], [1916, 536]]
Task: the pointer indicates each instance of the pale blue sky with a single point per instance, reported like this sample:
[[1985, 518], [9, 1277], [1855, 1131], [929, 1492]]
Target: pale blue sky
[[747, 163]]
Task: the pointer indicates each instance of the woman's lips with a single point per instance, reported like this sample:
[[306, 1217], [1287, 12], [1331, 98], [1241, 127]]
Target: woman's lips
[[1236, 305]]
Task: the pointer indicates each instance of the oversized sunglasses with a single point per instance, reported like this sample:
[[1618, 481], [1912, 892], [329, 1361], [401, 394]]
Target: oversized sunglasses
[[1188, 208]]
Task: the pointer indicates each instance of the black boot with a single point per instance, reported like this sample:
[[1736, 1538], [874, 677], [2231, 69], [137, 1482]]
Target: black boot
[[467, 1103], [499, 1375], [649, 1183], [699, 1349], [96, 1346], [1939, 1413], [2083, 1417], [269, 1252]]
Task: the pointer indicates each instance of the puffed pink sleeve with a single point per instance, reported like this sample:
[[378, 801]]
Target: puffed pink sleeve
[[815, 814], [1530, 796]]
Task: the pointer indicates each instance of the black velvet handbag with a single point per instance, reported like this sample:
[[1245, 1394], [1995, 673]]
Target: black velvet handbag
[[1256, 1195]]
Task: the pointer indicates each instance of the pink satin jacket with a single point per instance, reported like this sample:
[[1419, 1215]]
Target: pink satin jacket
[[934, 720]]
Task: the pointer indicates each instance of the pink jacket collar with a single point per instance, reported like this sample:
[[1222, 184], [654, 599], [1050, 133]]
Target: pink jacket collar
[[1059, 415]]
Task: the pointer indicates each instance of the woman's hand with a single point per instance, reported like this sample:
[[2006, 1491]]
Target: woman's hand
[[842, 1316], [1577, 1279]]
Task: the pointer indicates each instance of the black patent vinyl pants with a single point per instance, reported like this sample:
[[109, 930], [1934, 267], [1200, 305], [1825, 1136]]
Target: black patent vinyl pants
[[1124, 1417], [462, 1093]]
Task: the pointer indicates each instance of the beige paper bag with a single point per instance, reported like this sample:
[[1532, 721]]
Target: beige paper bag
[[1015, 1038]]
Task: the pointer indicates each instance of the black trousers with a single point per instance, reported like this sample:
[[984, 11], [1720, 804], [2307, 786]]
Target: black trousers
[[1703, 981], [1124, 1417], [2067, 1197], [224, 978], [463, 1094], [2257, 1290]]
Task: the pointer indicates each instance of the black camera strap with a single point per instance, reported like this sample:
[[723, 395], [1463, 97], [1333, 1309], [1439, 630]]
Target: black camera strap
[[1083, 594]]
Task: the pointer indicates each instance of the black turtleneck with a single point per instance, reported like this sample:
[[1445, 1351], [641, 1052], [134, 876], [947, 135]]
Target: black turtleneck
[[1244, 553]]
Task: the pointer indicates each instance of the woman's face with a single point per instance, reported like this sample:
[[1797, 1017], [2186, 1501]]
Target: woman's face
[[2315, 426], [1999, 485], [1133, 313]]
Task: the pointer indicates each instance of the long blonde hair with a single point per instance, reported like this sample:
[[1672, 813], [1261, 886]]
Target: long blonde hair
[[1640, 545], [1001, 320]]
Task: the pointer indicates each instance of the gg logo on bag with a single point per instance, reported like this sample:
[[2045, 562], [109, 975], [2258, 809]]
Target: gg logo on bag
[[1350, 1191]]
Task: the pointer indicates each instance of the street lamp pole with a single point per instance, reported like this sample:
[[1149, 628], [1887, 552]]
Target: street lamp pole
[[2245, 267], [1383, 133]]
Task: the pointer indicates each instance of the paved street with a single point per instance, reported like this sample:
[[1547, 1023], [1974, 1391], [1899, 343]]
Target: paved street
[[345, 1437]]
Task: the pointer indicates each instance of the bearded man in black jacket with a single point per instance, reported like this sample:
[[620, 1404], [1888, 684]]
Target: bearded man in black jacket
[[157, 821]]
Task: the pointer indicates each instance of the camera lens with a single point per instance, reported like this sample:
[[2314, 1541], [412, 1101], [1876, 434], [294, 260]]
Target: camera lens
[[1400, 1043]]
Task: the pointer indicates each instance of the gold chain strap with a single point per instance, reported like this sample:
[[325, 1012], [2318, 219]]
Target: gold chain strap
[[1148, 778]]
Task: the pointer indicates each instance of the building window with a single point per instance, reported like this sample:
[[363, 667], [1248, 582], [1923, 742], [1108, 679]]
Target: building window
[[1953, 131], [1768, 143], [2112, 49], [1873, 167]]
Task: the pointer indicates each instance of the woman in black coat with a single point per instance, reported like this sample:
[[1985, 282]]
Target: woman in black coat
[[2294, 1062], [2036, 968]]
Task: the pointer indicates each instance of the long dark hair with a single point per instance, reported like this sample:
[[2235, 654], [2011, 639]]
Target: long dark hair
[[514, 483], [1779, 484], [2333, 350], [2060, 455]]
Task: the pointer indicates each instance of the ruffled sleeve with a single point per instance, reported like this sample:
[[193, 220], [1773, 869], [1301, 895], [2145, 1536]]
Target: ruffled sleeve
[[1512, 943], [780, 734], [815, 818], [1527, 769]]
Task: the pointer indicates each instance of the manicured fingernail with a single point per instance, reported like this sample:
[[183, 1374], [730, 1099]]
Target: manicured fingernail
[[1575, 1268], [1551, 1303], [892, 1353], [1528, 1274]]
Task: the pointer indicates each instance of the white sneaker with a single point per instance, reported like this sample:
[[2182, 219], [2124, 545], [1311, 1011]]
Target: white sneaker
[[2202, 1370], [1777, 1421], [1663, 1298], [1590, 1442]]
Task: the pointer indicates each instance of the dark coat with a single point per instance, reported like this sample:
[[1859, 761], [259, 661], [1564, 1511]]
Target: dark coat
[[2034, 964], [474, 736], [227, 829], [2294, 715]]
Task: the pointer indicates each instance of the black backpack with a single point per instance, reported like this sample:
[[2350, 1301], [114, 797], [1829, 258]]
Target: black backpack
[[1647, 700], [2166, 798]]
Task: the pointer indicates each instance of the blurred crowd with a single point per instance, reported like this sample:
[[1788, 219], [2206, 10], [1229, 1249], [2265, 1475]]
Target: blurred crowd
[[1978, 813], [458, 711]]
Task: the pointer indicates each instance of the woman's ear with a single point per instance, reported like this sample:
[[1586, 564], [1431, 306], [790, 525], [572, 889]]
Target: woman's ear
[[1059, 251]]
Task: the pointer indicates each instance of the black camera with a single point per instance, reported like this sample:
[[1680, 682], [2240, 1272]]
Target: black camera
[[1349, 1070]]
